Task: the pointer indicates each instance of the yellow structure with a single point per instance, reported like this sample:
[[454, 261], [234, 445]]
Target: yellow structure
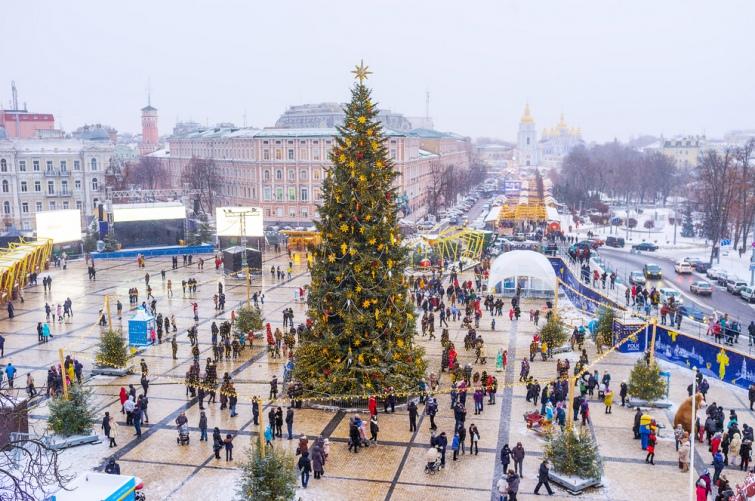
[[18, 261], [301, 240], [456, 242]]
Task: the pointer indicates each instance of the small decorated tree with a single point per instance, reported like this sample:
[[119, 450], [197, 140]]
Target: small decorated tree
[[112, 350], [604, 333], [267, 475], [554, 332], [645, 381], [574, 453], [72, 416], [203, 233], [248, 318]]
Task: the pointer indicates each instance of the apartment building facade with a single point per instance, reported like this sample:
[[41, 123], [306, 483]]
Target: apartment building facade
[[48, 174]]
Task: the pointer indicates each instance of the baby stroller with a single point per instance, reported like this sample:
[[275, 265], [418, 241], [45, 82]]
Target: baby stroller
[[183, 435], [431, 468]]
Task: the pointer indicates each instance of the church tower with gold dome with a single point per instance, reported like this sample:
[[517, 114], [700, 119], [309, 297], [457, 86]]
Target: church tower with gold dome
[[527, 148]]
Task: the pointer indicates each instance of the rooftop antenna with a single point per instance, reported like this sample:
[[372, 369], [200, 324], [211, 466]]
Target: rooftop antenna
[[244, 117], [14, 93], [149, 91], [427, 105]]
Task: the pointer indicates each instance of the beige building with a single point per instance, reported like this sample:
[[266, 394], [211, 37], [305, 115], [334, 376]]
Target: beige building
[[281, 169], [48, 174], [684, 150]]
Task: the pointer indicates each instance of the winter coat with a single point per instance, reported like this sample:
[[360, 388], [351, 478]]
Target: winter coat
[[684, 449], [513, 481], [317, 459], [304, 464], [455, 442], [518, 453], [113, 427], [735, 444]]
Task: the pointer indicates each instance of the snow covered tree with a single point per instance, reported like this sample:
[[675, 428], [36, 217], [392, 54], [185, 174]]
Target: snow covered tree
[[362, 335], [688, 224], [645, 381]]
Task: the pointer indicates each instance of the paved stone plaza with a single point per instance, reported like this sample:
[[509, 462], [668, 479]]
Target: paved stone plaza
[[394, 469]]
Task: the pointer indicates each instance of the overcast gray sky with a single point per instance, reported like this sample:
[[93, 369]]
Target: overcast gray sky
[[614, 68]]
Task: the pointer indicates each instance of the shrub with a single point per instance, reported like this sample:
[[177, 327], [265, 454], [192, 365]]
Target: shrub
[[269, 475], [649, 224], [248, 318], [74, 416], [632, 222], [554, 332]]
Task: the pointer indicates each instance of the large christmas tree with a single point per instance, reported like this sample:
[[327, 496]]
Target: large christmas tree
[[363, 323]]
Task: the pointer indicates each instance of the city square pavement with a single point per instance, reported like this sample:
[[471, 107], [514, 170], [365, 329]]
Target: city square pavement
[[392, 469]]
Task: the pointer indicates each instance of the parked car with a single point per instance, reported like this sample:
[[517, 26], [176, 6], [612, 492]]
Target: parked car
[[701, 288], [692, 260], [425, 226], [713, 273], [519, 237], [702, 267], [682, 267], [615, 241], [734, 285], [693, 312], [596, 242], [669, 295], [652, 271], [748, 294], [723, 276], [645, 246], [637, 278]]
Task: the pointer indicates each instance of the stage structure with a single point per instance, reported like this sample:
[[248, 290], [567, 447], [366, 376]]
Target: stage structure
[[149, 224], [228, 225]]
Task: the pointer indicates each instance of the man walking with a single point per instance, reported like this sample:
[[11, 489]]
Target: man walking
[[290, 422], [542, 479]]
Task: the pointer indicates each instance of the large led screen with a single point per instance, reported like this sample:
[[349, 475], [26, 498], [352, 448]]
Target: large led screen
[[59, 225], [228, 221]]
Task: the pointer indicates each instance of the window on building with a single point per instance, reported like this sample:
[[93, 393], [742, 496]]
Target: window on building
[[528, 141], [267, 193], [303, 174], [290, 153], [265, 154], [316, 194], [65, 204], [302, 153], [266, 175], [78, 204], [93, 163], [64, 187], [393, 153], [279, 194], [52, 205], [6, 186], [25, 207], [278, 154], [22, 165], [50, 187], [268, 212], [76, 165], [38, 206], [26, 225], [291, 193], [305, 194], [279, 175], [48, 165], [95, 184], [316, 174], [63, 165], [305, 212], [77, 184], [35, 165], [37, 186], [3, 165], [316, 154], [278, 211], [24, 187], [291, 175], [292, 212], [6, 207]]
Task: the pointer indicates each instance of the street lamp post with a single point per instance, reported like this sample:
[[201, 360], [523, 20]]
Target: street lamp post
[[692, 495], [241, 214]]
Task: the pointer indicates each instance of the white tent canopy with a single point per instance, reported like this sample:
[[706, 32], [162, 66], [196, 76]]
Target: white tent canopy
[[527, 269]]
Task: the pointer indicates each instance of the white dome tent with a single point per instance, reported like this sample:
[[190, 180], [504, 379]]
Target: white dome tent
[[529, 270]]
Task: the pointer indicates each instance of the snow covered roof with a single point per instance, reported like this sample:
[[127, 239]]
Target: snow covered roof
[[161, 153], [426, 154], [493, 214], [272, 132]]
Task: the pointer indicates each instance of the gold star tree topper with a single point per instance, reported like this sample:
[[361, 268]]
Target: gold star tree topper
[[360, 72]]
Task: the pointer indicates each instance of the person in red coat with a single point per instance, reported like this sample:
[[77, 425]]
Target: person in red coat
[[123, 396], [372, 405]]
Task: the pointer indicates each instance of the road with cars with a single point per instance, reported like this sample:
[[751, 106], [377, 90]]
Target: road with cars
[[721, 300]]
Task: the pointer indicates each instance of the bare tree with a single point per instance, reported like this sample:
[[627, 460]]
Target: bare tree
[[436, 190], [148, 173], [29, 467], [744, 211], [716, 192], [201, 174]]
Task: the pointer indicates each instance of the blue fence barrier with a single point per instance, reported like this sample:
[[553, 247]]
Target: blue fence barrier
[[714, 360], [582, 297], [174, 250]]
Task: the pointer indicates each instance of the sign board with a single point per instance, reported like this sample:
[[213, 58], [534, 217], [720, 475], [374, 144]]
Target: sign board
[[752, 266], [228, 221], [725, 241], [59, 225], [159, 211]]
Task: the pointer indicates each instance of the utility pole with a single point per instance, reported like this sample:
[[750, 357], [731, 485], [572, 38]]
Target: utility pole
[[242, 214], [63, 373], [693, 420]]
